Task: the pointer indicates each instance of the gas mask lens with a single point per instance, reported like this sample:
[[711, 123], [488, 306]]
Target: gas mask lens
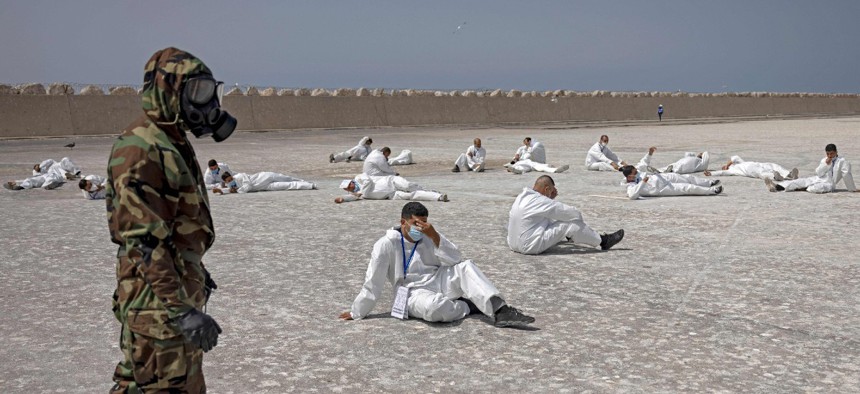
[[201, 90]]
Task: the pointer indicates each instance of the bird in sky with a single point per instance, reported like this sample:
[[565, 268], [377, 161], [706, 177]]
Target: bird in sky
[[459, 27]]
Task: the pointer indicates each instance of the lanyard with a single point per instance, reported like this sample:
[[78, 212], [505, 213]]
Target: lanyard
[[406, 263], [833, 165]]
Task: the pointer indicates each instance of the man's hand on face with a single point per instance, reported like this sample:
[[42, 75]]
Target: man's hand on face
[[428, 230], [345, 316], [829, 160]]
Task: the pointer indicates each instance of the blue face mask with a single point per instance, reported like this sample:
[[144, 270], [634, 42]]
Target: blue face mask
[[637, 180], [216, 171], [233, 184], [415, 234], [357, 188]]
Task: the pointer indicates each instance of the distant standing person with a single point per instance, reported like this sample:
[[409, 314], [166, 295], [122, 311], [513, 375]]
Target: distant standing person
[[660, 112]]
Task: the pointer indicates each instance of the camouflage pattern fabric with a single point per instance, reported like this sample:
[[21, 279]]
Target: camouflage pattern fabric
[[158, 214]]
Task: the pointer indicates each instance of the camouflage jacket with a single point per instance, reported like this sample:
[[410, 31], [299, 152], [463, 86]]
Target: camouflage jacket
[[157, 205]]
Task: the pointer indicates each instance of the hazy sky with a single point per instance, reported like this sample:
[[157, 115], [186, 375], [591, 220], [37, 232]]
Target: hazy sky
[[630, 45]]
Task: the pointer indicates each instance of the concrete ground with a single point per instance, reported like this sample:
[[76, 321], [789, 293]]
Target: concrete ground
[[747, 291]]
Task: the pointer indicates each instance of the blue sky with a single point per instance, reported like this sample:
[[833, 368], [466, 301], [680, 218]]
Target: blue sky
[[623, 45]]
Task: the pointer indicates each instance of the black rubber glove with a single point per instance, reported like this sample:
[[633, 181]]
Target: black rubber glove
[[199, 329], [209, 285]]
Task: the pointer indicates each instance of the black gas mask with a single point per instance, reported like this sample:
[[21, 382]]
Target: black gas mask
[[200, 104]]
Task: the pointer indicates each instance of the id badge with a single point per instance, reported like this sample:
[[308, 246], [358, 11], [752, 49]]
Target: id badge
[[399, 309]]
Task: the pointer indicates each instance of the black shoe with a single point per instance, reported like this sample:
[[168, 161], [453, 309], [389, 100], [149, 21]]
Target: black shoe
[[609, 240], [331, 158], [507, 316], [456, 169], [715, 182], [718, 190]]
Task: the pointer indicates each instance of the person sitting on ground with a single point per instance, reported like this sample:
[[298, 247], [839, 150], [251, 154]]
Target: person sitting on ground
[[532, 157], [601, 158], [93, 187], [387, 187], [752, 169], [376, 163], [537, 222], [261, 182], [472, 160], [434, 283], [357, 153], [829, 173]]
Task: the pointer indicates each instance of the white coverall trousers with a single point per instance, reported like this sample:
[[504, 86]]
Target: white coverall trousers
[[578, 232], [682, 185], [466, 163], [601, 166], [272, 181], [813, 184], [529, 165], [691, 163], [404, 158], [355, 153], [436, 301], [403, 190]]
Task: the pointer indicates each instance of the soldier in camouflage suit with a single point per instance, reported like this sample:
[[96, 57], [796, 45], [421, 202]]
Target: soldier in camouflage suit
[[158, 214]]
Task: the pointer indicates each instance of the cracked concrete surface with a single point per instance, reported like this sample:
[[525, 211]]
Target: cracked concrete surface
[[746, 291]]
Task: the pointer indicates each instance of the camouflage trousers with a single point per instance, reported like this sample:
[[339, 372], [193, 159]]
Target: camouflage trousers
[[156, 359]]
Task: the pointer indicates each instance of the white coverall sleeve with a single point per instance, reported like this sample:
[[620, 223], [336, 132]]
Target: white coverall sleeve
[[374, 279], [634, 190], [642, 165], [722, 173], [447, 252], [823, 168], [350, 197], [244, 184], [209, 180]]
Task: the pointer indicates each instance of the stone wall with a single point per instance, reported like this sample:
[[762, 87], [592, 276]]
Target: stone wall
[[33, 110]]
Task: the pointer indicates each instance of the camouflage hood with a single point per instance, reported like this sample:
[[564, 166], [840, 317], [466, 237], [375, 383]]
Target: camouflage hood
[[165, 73]]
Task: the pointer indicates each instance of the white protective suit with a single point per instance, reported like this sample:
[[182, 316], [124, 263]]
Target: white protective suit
[[666, 184], [827, 176], [267, 181], [537, 223], [377, 165], [94, 193], [358, 152], [472, 160], [752, 169], [404, 158], [64, 166], [213, 178], [51, 174], [534, 152], [690, 163], [389, 187], [600, 158], [436, 278]]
